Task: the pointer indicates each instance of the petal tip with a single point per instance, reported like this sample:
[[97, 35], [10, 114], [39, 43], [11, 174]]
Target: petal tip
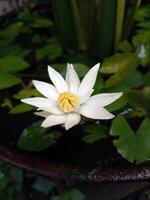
[[23, 100], [44, 125], [96, 67], [70, 65], [119, 94], [112, 116], [34, 82], [26, 100], [50, 68], [66, 128]]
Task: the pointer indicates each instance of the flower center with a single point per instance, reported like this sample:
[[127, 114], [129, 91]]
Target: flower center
[[67, 102]]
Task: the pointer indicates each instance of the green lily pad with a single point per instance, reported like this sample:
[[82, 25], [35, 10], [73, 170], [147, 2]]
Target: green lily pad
[[8, 80], [140, 99], [12, 30], [26, 93], [120, 65], [21, 108], [12, 64], [117, 62], [118, 104], [133, 146], [42, 22]]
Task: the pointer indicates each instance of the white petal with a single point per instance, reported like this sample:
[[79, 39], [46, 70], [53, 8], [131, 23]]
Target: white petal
[[89, 80], [104, 99], [54, 109], [47, 105], [53, 120], [46, 89], [57, 80], [72, 119], [85, 97], [72, 79], [39, 102], [94, 112], [42, 113]]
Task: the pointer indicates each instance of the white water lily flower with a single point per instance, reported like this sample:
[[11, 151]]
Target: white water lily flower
[[68, 99]]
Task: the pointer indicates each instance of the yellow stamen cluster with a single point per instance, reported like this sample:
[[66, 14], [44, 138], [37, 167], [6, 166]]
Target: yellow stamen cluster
[[67, 102]]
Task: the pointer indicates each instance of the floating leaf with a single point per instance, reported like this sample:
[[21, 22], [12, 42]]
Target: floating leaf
[[52, 50], [98, 84], [42, 52], [143, 13], [118, 104], [42, 22], [5, 41], [35, 138], [125, 47], [132, 146], [12, 30], [36, 38], [121, 65], [12, 64], [13, 49], [21, 108], [140, 99], [146, 79], [118, 62], [142, 37], [7, 103], [80, 68], [95, 133], [8, 80], [134, 79], [26, 15], [26, 93]]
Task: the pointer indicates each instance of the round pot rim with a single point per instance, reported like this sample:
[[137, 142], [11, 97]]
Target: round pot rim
[[70, 175]]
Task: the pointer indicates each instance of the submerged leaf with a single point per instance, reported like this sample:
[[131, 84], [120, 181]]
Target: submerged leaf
[[72, 194], [16, 176], [3, 180], [94, 133], [43, 185], [35, 138]]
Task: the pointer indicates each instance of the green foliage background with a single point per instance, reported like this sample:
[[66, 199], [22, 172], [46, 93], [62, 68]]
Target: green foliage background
[[30, 40]]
